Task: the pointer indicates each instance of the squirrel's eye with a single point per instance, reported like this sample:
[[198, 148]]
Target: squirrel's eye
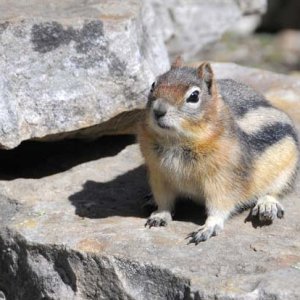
[[194, 97], [152, 87]]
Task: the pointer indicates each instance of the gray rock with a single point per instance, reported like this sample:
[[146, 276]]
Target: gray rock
[[79, 234], [73, 69], [188, 26], [250, 7], [68, 65], [2, 296]]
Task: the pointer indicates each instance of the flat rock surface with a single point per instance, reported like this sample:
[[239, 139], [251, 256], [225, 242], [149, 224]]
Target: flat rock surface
[[79, 233]]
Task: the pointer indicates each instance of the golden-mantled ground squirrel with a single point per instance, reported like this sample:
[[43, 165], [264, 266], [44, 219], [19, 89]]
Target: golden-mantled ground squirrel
[[218, 142]]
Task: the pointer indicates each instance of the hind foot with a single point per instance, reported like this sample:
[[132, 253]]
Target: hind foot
[[268, 208]]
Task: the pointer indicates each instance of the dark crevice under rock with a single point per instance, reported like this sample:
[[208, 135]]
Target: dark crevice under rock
[[34, 159]]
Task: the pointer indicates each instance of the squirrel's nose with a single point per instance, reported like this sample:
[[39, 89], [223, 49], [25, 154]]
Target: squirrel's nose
[[159, 111]]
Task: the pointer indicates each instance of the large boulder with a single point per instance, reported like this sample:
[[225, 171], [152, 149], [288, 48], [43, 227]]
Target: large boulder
[[80, 234], [74, 68], [67, 65]]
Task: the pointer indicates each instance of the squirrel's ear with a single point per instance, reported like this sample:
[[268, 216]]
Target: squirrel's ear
[[177, 63], [206, 73]]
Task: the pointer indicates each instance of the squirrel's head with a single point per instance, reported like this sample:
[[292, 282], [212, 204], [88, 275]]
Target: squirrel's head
[[180, 98]]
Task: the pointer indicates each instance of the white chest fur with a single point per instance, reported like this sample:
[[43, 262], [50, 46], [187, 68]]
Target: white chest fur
[[178, 163]]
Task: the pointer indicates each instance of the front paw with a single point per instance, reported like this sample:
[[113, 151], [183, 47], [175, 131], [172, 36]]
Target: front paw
[[158, 219], [267, 209], [204, 233]]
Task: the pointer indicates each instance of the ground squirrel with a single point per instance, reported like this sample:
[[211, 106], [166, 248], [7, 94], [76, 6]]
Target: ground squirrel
[[218, 142]]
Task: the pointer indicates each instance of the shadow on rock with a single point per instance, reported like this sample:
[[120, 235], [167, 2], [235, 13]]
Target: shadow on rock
[[122, 196], [188, 211], [33, 159], [125, 196], [255, 221]]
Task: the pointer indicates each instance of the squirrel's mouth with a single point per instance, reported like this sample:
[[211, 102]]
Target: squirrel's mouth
[[162, 125]]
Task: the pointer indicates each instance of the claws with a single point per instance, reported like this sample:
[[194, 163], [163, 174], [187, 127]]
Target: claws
[[159, 219], [155, 222], [203, 234], [190, 235], [280, 212], [267, 209]]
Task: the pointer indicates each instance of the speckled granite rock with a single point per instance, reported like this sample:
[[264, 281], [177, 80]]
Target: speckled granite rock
[[67, 65], [80, 234]]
